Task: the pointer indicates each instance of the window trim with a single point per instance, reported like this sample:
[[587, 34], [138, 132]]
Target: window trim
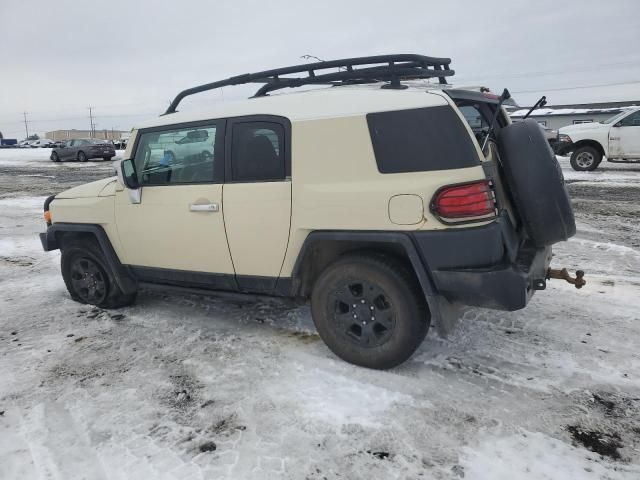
[[580, 121], [284, 122], [220, 124]]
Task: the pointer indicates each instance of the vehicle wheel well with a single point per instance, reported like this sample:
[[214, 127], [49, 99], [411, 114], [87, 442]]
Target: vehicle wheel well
[[589, 143], [65, 237], [321, 254]]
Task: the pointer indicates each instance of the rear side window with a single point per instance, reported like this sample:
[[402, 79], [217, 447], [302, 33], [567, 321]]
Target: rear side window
[[420, 139], [257, 153]]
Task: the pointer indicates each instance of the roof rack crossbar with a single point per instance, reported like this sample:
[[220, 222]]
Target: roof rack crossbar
[[387, 68]]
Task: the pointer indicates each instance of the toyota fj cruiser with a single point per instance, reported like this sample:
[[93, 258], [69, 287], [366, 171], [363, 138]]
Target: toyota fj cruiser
[[374, 199]]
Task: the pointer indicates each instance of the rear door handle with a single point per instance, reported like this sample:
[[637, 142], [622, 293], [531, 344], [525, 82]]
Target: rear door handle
[[204, 207]]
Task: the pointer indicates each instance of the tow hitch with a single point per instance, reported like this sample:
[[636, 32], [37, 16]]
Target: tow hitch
[[563, 274]]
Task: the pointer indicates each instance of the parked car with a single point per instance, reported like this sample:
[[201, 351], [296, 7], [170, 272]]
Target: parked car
[[25, 143], [83, 149], [617, 139], [59, 143], [352, 197], [42, 143], [551, 135], [120, 144]]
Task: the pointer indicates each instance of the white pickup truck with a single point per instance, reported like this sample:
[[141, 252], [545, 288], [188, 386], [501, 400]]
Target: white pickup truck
[[617, 139]]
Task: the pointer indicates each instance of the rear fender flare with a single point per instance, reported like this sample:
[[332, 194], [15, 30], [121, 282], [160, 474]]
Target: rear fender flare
[[398, 241]]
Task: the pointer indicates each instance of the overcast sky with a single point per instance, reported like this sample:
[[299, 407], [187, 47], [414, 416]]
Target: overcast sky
[[128, 59]]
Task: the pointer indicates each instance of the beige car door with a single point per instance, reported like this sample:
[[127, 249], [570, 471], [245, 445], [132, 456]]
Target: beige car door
[[176, 233], [257, 198]]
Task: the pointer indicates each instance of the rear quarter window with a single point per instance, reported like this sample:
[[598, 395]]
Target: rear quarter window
[[421, 139]]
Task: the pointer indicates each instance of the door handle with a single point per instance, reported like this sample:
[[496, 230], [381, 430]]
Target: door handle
[[204, 207]]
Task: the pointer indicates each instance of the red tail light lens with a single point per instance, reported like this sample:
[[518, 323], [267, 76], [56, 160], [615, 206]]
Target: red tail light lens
[[464, 201]]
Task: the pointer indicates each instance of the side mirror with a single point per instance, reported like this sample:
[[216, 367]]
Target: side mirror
[[126, 171], [619, 124]]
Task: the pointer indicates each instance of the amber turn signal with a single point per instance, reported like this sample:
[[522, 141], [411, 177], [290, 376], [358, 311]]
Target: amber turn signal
[[47, 217]]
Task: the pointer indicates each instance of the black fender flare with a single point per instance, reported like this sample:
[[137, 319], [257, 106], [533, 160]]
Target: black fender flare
[[50, 241], [438, 306]]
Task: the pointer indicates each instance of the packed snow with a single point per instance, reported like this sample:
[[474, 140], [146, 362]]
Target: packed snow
[[182, 387]]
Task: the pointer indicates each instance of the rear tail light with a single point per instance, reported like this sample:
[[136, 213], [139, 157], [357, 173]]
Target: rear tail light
[[465, 202]]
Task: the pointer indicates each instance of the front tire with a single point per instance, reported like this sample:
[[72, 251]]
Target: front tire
[[55, 157], [370, 311], [82, 157], [585, 159], [87, 276]]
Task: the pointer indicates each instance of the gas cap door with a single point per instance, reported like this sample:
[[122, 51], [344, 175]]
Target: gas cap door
[[406, 209]]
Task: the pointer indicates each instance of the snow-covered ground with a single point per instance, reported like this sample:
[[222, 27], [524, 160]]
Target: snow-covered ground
[[192, 387]]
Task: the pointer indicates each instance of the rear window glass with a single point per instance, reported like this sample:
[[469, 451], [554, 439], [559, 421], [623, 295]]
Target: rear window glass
[[420, 139]]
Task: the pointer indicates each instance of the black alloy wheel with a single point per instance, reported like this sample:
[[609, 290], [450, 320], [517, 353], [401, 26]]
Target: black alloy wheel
[[362, 313], [89, 280]]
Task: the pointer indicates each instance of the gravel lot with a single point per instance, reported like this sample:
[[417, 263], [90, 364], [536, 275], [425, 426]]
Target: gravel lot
[[195, 387]]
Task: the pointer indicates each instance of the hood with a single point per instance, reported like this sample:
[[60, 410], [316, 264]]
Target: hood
[[583, 127], [99, 188]]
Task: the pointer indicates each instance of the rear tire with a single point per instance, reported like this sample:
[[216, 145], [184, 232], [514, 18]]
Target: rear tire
[[585, 159], [87, 276], [82, 157], [370, 311]]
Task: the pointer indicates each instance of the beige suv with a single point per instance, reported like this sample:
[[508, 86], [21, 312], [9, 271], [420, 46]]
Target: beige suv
[[372, 198]]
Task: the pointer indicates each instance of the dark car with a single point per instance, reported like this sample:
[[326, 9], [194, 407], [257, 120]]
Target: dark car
[[82, 149]]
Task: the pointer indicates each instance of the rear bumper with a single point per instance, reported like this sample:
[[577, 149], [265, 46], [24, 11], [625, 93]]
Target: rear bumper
[[98, 153], [484, 266]]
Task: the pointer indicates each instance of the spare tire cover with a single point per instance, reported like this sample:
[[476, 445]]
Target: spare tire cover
[[535, 181]]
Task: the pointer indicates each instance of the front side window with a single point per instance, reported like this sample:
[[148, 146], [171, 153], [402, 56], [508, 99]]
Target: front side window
[[632, 120], [257, 152], [179, 156]]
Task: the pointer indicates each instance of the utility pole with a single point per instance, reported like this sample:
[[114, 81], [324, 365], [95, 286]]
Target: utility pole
[[91, 122], [26, 124]]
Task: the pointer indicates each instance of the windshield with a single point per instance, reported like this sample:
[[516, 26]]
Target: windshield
[[615, 118]]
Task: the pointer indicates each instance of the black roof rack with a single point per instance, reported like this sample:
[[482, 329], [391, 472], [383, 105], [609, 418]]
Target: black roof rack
[[385, 68]]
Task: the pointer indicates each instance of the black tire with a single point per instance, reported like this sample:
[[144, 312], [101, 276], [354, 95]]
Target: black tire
[[585, 159], [87, 276], [82, 157], [106, 159], [390, 318], [536, 183], [55, 157]]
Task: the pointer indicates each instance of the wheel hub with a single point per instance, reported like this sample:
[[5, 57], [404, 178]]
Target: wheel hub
[[584, 159], [88, 280], [363, 313]]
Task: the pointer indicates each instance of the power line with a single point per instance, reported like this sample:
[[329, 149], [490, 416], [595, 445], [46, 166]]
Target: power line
[[555, 72], [579, 87]]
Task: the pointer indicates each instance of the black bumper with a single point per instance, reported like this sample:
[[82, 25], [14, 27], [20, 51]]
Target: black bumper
[[562, 148], [487, 266], [48, 241]]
